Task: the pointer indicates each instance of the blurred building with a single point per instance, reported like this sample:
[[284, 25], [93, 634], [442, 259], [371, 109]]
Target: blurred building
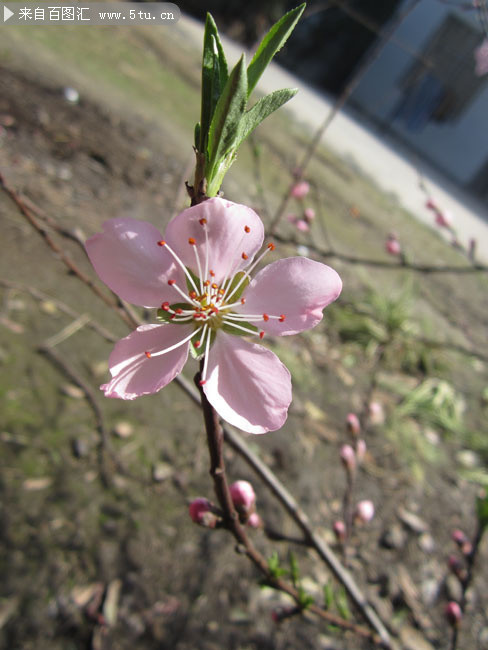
[[425, 89]]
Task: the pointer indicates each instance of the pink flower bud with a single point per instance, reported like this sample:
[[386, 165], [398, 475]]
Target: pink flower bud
[[443, 219], [291, 218], [454, 564], [431, 204], [200, 510], [309, 214], [254, 520], [458, 537], [364, 511], [302, 225], [300, 190], [353, 424], [453, 613], [340, 531], [360, 450], [348, 457], [376, 413], [243, 496], [393, 247]]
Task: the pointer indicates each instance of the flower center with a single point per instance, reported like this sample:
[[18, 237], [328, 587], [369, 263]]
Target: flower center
[[208, 305]]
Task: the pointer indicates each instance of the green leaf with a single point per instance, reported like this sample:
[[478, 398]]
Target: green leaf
[[260, 111], [197, 135], [328, 595], [482, 510], [214, 78], [271, 44], [294, 571], [342, 604], [224, 128], [274, 566], [304, 599]]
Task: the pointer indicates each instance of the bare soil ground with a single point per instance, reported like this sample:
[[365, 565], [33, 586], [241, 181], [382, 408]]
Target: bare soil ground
[[112, 561]]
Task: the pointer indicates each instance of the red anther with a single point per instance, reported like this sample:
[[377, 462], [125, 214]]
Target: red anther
[[215, 286], [271, 246], [282, 318], [202, 221], [172, 316], [221, 291], [161, 243], [261, 334], [193, 295], [214, 309], [206, 283], [165, 306], [197, 344], [191, 241], [244, 256], [202, 382], [171, 282], [265, 318], [247, 229], [148, 354], [179, 310], [212, 274], [243, 300]]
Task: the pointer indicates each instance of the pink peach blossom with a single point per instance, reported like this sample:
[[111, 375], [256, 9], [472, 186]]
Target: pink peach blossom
[[300, 190], [199, 278]]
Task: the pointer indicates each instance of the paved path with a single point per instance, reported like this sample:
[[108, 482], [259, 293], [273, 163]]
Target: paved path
[[384, 160]]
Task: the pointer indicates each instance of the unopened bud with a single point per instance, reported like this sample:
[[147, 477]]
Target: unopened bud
[[302, 225], [348, 457], [453, 613], [393, 247], [353, 424], [309, 214], [360, 450], [340, 531], [431, 204], [364, 511], [376, 413], [242, 495], [443, 219], [254, 520], [201, 512], [462, 541], [300, 190]]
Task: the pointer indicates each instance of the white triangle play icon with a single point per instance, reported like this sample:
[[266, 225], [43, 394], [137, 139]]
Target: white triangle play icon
[[7, 13]]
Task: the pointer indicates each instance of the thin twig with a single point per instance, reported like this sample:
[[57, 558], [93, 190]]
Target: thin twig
[[383, 264], [298, 515], [32, 219], [215, 439]]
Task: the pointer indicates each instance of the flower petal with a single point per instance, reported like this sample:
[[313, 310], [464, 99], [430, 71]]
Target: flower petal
[[127, 258], [296, 287], [232, 229], [133, 374], [247, 384]]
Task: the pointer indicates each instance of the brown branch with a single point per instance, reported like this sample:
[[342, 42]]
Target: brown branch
[[73, 268], [383, 264], [215, 439]]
